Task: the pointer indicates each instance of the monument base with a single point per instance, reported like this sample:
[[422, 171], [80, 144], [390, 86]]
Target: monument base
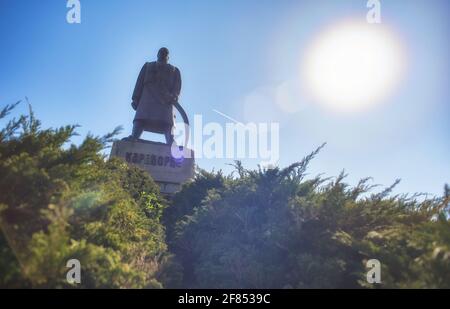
[[167, 170]]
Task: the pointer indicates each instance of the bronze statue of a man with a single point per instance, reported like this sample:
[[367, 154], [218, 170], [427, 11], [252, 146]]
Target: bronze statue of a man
[[157, 90]]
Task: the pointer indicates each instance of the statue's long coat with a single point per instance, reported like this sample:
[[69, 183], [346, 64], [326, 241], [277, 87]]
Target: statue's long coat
[[157, 88]]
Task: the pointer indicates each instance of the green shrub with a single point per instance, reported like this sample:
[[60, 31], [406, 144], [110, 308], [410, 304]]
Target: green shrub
[[63, 202]]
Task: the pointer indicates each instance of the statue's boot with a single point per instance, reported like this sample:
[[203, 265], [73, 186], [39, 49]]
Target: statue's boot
[[129, 139], [138, 129], [169, 138]]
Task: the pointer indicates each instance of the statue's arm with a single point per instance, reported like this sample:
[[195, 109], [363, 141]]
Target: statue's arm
[[139, 85], [176, 90]]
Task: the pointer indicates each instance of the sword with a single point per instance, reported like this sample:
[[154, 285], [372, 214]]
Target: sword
[[185, 120]]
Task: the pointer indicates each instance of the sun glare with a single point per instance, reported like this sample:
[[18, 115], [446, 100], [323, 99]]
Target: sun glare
[[353, 65]]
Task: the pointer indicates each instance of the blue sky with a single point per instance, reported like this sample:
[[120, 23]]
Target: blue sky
[[227, 51]]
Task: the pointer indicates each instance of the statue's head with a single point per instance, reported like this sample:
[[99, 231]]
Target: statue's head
[[163, 55]]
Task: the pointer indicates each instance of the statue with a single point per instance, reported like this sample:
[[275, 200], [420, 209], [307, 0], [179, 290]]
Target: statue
[[156, 93]]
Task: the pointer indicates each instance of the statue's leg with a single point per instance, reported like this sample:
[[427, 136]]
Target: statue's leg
[[169, 137], [138, 129]]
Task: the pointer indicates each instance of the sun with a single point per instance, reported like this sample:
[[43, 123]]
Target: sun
[[353, 65]]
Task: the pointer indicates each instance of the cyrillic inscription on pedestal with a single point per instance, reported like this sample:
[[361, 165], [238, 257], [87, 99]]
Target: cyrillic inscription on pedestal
[[156, 158]]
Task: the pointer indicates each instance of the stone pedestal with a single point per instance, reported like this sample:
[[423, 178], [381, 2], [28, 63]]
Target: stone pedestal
[[169, 171]]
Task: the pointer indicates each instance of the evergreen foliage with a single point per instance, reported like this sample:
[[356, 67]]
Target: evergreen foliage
[[62, 202], [264, 228]]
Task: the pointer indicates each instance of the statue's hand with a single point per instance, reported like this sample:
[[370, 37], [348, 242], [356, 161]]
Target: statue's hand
[[134, 105], [173, 99]]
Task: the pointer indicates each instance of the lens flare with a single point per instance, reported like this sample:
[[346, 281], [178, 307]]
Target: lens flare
[[353, 65]]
